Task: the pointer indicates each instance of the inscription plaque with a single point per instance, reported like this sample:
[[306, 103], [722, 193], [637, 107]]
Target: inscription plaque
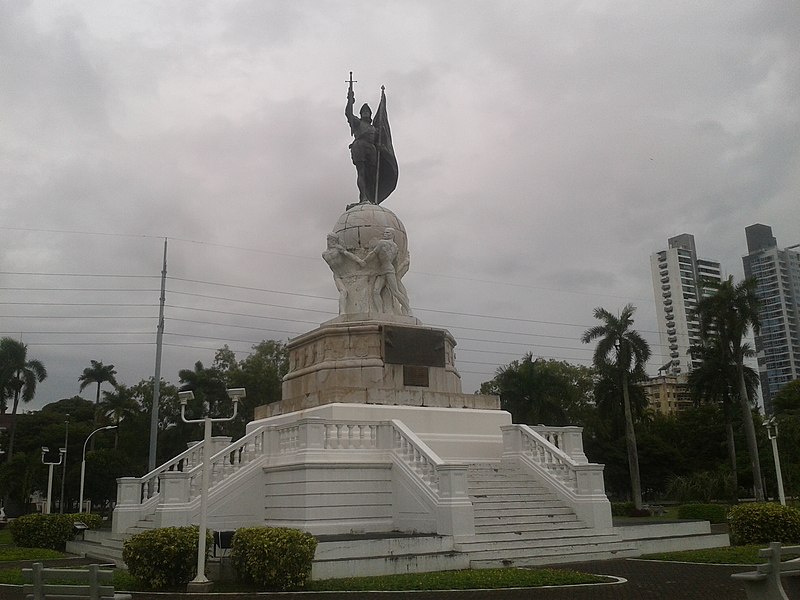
[[412, 346], [414, 375]]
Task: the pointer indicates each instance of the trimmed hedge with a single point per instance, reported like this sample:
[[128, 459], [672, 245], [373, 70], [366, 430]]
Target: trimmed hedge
[[51, 531], [273, 558], [762, 523], [164, 558], [715, 513]]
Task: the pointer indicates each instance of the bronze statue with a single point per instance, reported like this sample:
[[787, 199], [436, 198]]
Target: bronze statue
[[371, 150]]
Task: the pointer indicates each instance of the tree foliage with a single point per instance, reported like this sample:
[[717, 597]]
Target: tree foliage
[[539, 391], [620, 355], [726, 317]]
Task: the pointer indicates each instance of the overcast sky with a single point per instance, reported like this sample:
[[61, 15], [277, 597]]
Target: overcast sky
[[545, 149]]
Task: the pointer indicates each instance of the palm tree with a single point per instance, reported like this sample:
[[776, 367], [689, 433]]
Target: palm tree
[[728, 315], [117, 405], [18, 379], [711, 382], [621, 353], [98, 373]]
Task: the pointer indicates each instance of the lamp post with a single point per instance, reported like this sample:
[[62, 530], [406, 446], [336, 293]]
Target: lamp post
[[83, 461], [772, 434], [201, 581], [61, 453], [64, 468]]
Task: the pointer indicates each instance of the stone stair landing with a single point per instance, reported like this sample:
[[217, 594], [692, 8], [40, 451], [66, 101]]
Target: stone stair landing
[[519, 522]]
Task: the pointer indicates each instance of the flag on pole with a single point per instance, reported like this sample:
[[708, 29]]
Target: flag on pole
[[387, 162]]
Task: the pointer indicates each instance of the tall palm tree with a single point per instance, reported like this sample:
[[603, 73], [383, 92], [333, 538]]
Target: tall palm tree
[[712, 380], [117, 405], [728, 315], [621, 352], [18, 378], [97, 373]]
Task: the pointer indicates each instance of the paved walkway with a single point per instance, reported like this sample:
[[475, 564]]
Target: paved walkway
[[646, 580]]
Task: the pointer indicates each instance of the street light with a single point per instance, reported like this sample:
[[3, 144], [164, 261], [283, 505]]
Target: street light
[[201, 581], [772, 434], [83, 461], [61, 453]]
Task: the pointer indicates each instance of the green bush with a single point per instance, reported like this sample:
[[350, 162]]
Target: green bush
[[763, 523], [48, 531], [715, 513], [166, 557], [622, 509], [275, 559]]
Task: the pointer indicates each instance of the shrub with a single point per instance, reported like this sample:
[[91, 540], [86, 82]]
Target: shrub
[[165, 557], [702, 486], [275, 559], [763, 523], [48, 531], [622, 509], [715, 513]]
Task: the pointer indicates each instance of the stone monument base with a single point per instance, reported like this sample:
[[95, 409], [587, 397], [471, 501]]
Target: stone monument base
[[391, 360]]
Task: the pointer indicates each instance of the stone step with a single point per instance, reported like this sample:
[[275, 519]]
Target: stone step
[[376, 555], [554, 550], [507, 504], [347, 547], [513, 513], [541, 527], [556, 557], [511, 542]]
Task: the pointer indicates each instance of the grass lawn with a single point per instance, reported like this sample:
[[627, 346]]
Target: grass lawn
[[459, 580], [5, 537], [733, 555]]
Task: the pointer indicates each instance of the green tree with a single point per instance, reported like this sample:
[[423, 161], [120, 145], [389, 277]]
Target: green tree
[[712, 381], [621, 353], [727, 316], [18, 378], [539, 391], [99, 374], [117, 405], [787, 400]]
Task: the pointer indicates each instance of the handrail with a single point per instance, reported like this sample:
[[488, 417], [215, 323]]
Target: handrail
[[557, 463], [415, 453], [150, 481], [229, 460]]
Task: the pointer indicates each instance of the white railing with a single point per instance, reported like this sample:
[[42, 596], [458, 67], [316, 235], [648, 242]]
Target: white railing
[[541, 449], [179, 481], [416, 454]]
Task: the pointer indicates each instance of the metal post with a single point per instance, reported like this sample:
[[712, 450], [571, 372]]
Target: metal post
[[61, 453], [64, 467], [772, 433], [151, 460], [201, 580], [83, 463]]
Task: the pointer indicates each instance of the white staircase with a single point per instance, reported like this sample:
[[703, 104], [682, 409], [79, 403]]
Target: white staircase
[[520, 522]]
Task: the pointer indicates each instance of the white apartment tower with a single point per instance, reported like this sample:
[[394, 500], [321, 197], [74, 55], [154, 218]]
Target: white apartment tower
[[777, 275], [678, 276]]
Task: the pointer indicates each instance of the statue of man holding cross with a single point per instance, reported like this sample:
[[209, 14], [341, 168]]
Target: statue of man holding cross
[[371, 150]]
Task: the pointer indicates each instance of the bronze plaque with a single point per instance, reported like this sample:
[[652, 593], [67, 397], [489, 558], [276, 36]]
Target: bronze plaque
[[414, 375], [412, 346]]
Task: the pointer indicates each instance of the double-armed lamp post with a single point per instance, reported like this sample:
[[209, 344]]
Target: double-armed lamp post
[[83, 462], [45, 452], [234, 394]]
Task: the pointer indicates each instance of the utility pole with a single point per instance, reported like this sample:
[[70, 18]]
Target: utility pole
[[151, 463], [64, 467]]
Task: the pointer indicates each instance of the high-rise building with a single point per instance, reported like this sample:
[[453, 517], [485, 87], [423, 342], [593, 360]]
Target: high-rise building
[[679, 281], [777, 275]]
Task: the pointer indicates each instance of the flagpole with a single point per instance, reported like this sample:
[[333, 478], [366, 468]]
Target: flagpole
[[378, 162]]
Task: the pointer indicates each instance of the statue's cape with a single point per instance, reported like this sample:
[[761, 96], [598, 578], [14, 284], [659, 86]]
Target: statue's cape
[[387, 163]]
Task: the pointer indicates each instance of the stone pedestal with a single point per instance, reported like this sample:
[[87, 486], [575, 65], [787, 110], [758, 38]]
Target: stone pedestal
[[391, 361]]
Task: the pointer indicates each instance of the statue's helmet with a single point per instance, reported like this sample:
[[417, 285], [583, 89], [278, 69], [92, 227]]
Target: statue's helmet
[[366, 108]]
